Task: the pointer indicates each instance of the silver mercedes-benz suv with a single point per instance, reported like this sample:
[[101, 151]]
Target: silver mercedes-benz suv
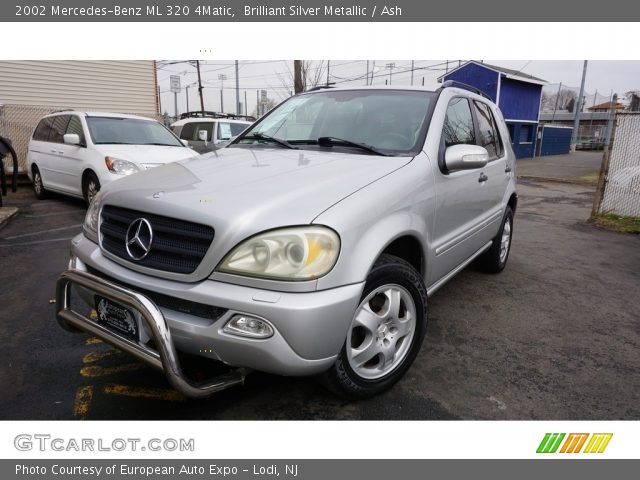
[[308, 246]]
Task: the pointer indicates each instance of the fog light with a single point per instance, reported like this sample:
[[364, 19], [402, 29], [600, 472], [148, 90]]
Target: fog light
[[248, 326]]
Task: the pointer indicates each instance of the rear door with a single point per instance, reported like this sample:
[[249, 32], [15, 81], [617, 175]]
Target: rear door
[[496, 171], [60, 178], [459, 208], [39, 150], [72, 157]]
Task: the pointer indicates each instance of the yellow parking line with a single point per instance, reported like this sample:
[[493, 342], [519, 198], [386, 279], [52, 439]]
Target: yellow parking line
[[92, 341], [96, 371], [149, 393], [92, 357], [82, 402]]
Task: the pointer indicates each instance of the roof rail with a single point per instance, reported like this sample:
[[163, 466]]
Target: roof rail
[[464, 86], [207, 114], [63, 110]]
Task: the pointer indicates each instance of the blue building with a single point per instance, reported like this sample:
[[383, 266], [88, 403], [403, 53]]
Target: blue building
[[517, 94]]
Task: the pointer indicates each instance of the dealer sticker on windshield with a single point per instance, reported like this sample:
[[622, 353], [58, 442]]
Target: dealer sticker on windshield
[[117, 318]]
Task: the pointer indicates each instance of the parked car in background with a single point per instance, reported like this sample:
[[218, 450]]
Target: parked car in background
[[76, 153], [209, 131], [307, 246]]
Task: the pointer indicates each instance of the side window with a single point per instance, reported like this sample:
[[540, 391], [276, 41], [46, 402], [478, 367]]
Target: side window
[[488, 131], [58, 128], [224, 131], [458, 123], [208, 126], [41, 132], [187, 131], [75, 126]]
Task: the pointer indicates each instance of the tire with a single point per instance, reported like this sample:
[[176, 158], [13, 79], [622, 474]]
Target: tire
[[38, 185], [376, 356], [90, 187], [495, 259]]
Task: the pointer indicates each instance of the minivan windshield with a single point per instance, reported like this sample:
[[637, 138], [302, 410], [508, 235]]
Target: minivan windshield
[[384, 122], [130, 131]]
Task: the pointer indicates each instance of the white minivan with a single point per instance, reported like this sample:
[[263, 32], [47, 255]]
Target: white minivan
[[75, 153]]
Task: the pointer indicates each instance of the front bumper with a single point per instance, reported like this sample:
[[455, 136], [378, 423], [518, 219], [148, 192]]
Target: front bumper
[[309, 328]]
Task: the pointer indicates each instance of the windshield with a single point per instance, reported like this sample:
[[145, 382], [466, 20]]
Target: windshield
[[130, 131], [389, 121]]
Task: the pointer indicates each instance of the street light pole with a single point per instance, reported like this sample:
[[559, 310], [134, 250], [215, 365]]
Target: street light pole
[[390, 67], [222, 77], [200, 86], [578, 109], [186, 90], [238, 112]]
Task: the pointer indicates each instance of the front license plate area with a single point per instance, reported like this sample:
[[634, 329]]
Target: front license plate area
[[117, 318]]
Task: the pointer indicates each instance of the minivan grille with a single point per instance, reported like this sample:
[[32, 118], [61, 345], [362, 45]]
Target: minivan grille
[[178, 246]]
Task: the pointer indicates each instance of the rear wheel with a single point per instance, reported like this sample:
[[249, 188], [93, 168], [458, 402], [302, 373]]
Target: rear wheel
[[91, 187], [385, 334], [495, 259], [38, 186]]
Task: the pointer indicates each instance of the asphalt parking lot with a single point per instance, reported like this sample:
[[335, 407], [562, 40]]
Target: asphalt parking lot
[[555, 336]]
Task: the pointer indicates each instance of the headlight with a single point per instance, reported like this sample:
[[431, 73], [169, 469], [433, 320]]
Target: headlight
[[90, 225], [120, 167], [297, 253]]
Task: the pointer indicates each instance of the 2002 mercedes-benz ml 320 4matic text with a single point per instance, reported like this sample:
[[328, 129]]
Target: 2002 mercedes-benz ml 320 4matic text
[[308, 246]]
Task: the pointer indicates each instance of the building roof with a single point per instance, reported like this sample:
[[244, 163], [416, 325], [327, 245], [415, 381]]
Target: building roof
[[507, 72], [606, 106]]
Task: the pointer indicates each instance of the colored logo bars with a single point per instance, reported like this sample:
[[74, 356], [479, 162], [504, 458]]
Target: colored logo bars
[[597, 442]]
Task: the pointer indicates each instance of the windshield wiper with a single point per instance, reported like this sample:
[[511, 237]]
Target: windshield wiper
[[263, 136], [331, 141], [162, 144]]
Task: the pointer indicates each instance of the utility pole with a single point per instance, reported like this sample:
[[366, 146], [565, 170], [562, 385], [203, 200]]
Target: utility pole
[[175, 104], [238, 112], [373, 69], [257, 103], [298, 86], [200, 86], [612, 117], [390, 67], [245, 103], [412, 62], [222, 77], [367, 75], [578, 110], [328, 66], [186, 90]]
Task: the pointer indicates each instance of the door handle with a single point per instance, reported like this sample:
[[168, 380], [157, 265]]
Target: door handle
[[54, 151], [483, 178], [507, 169]]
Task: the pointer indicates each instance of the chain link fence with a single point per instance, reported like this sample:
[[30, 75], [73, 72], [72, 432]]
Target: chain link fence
[[17, 123], [619, 184]]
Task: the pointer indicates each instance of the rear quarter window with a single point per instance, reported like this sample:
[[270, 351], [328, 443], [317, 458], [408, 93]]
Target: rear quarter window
[[43, 129]]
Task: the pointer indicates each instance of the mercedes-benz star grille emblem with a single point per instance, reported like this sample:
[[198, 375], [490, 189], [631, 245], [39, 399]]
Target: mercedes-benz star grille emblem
[[139, 238]]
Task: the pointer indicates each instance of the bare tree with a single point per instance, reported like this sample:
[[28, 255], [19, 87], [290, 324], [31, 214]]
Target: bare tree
[[306, 75], [634, 100]]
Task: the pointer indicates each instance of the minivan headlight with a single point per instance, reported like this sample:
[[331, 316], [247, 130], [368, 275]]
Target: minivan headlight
[[120, 167], [295, 253], [90, 225]]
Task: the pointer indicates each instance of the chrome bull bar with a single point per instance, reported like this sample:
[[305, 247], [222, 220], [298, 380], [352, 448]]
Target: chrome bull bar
[[165, 358]]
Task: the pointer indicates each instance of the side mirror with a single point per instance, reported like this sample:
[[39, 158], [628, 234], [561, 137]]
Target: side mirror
[[71, 139], [203, 135], [185, 142], [465, 157]]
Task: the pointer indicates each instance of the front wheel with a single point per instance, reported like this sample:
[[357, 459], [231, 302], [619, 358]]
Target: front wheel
[[386, 331], [38, 186], [91, 187]]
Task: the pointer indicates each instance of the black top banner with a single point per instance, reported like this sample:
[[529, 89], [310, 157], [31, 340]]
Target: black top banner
[[319, 11]]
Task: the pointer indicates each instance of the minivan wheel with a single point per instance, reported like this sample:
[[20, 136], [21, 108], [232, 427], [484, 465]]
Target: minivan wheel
[[386, 331], [91, 187], [495, 259], [38, 186]]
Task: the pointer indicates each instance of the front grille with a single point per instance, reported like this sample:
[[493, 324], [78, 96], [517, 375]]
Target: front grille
[[178, 246], [166, 301]]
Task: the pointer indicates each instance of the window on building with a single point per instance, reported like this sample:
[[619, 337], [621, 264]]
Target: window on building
[[458, 123], [526, 133], [488, 134]]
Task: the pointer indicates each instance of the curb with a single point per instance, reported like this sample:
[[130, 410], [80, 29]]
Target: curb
[[6, 213], [572, 181]]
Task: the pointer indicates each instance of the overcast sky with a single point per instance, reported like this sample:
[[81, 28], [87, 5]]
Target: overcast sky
[[275, 76]]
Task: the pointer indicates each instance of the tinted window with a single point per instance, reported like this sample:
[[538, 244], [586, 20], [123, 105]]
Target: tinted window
[[42, 130], [458, 123], [190, 130], [130, 131], [487, 130], [58, 128], [75, 126]]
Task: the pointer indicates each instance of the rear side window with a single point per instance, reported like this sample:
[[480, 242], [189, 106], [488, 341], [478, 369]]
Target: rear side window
[[488, 136], [58, 128], [458, 123], [190, 130], [75, 126], [43, 129]]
